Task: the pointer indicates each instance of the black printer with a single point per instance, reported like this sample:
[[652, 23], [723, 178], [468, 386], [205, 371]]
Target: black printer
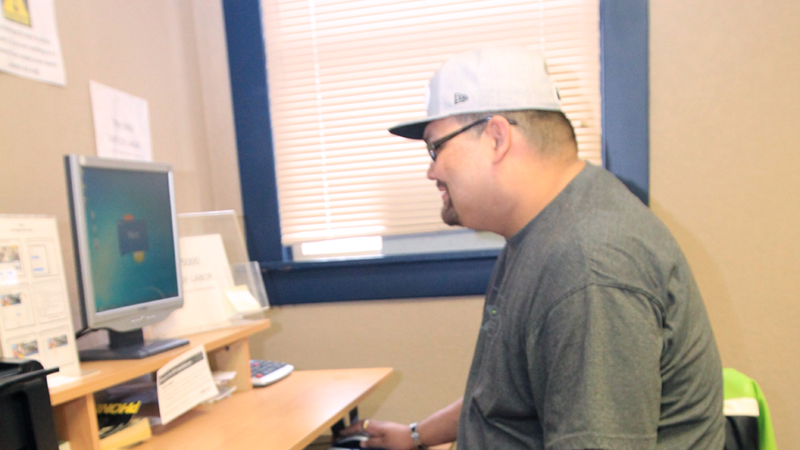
[[26, 416]]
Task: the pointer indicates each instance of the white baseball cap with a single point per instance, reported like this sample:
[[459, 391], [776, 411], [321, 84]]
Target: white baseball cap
[[487, 79]]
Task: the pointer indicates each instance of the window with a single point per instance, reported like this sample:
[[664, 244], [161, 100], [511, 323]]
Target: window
[[622, 24], [342, 72]]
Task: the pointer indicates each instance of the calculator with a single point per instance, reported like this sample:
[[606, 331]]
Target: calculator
[[264, 373]]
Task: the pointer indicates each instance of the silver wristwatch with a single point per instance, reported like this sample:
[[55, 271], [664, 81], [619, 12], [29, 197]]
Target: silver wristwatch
[[415, 436]]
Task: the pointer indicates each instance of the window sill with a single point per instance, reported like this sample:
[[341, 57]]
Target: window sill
[[388, 277]]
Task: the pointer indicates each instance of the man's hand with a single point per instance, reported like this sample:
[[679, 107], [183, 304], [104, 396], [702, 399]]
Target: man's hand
[[388, 435], [439, 428]]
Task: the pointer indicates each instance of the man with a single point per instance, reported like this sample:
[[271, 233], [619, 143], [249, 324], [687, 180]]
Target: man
[[594, 334]]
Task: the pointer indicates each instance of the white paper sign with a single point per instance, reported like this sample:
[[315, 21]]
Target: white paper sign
[[29, 45], [121, 124], [35, 320], [184, 383]]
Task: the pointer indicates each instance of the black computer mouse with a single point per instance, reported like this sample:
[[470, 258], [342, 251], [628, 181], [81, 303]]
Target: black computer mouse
[[352, 441]]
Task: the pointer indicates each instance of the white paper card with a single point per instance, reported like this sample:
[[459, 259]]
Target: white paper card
[[55, 380], [223, 376], [242, 300], [29, 45], [184, 383], [121, 124]]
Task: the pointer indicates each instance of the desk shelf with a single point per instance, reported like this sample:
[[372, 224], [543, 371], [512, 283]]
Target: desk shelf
[[287, 415], [73, 403]]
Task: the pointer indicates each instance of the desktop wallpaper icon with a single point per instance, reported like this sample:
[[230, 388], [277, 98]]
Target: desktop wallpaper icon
[[132, 236]]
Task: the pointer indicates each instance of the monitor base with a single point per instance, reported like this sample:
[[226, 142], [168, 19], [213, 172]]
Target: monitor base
[[129, 345]]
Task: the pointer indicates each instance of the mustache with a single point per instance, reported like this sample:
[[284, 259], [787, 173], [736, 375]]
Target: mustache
[[441, 184]]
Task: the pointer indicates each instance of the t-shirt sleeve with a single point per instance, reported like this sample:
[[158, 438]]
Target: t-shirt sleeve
[[596, 362]]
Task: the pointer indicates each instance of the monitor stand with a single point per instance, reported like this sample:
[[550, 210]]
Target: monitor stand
[[129, 345]]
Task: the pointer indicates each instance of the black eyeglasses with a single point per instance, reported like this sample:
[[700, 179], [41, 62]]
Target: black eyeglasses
[[433, 147]]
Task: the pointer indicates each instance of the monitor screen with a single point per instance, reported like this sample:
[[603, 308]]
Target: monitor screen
[[131, 241], [126, 242]]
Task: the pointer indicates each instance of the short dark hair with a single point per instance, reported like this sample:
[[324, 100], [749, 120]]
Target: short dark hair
[[547, 130]]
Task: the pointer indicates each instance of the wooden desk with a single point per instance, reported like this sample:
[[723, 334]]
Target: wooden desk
[[287, 415]]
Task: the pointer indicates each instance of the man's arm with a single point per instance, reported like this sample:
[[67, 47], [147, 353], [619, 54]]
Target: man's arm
[[442, 426], [439, 428]]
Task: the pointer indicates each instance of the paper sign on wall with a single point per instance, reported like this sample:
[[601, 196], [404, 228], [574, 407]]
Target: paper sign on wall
[[29, 45], [121, 124]]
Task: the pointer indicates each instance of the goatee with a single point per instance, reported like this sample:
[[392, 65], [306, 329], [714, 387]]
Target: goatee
[[449, 213]]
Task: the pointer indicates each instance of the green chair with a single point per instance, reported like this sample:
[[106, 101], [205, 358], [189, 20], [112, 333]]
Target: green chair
[[747, 422]]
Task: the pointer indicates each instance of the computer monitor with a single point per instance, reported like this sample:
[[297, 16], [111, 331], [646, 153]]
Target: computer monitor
[[127, 260]]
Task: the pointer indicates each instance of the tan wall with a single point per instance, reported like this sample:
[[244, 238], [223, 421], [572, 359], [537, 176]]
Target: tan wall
[[429, 343], [725, 147], [170, 53], [724, 115]]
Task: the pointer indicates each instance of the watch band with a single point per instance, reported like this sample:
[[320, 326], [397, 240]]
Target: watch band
[[415, 436]]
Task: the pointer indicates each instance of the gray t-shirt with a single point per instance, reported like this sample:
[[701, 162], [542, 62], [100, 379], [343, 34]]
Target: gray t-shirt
[[594, 334]]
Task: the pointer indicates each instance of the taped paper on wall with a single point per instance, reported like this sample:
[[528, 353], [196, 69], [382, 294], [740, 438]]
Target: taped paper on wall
[[29, 44]]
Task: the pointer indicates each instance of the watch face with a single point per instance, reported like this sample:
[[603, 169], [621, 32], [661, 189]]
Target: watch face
[[415, 436]]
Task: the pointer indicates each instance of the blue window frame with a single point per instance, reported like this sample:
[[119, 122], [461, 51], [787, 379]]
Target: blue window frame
[[625, 110]]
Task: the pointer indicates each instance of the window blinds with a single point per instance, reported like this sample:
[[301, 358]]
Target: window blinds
[[342, 72]]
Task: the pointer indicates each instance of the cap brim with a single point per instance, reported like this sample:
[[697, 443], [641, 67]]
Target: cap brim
[[415, 129], [411, 130]]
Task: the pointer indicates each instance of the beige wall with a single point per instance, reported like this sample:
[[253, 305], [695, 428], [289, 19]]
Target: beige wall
[[724, 114], [428, 342], [725, 146]]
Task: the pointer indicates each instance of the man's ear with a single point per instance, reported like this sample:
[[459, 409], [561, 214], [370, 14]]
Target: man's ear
[[499, 130]]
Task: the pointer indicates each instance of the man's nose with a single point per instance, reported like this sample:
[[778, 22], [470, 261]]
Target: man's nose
[[430, 171]]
